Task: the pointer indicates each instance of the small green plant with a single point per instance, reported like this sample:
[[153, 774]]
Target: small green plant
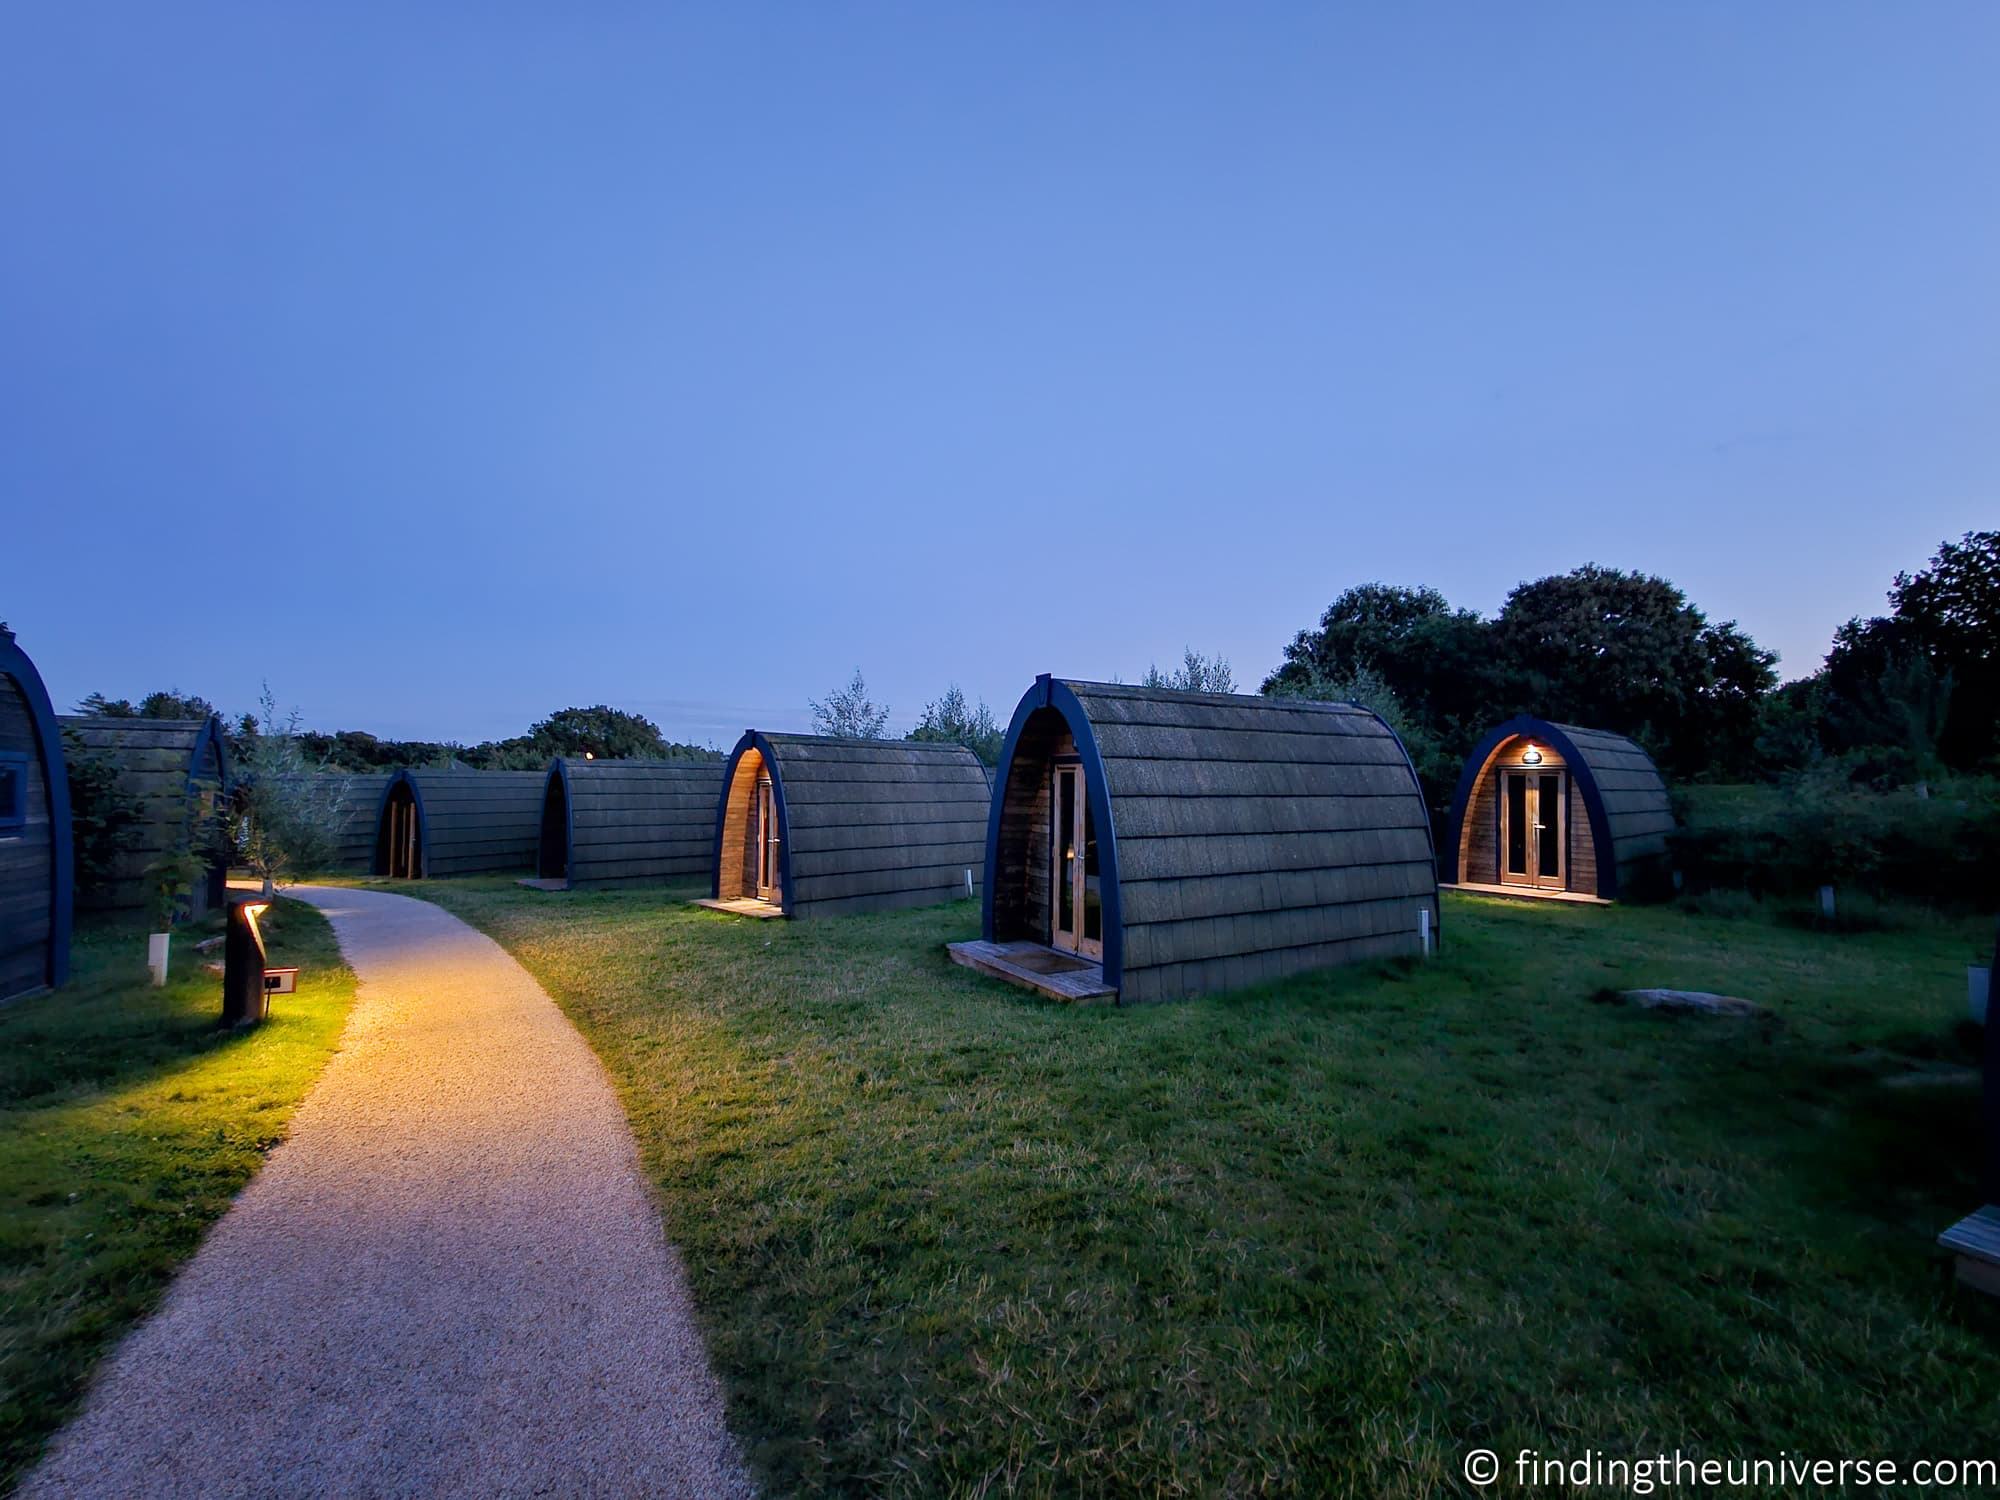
[[291, 808]]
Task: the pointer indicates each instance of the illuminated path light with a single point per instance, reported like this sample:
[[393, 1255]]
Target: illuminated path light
[[449, 1280]]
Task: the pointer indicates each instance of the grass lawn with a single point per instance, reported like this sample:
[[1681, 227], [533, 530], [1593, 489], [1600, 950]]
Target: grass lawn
[[127, 1124], [1323, 1236]]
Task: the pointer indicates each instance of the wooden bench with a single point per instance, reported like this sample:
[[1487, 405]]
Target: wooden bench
[[1975, 1239]]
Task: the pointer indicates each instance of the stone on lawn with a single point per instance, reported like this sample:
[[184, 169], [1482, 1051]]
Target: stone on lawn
[[1697, 1002]]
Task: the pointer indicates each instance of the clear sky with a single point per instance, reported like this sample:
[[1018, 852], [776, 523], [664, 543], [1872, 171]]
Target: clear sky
[[448, 365]]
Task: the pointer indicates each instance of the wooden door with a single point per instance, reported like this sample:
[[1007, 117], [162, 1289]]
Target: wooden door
[[768, 882], [1533, 836], [1076, 901]]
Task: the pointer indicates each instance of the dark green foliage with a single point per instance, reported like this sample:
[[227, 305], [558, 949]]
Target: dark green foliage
[[1830, 826], [1621, 651], [1594, 647], [358, 750], [104, 819], [1195, 674], [171, 704], [1926, 675], [952, 720], [848, 713], [602, 733]]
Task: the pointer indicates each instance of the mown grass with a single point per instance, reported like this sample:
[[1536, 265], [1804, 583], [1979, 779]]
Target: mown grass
[[1320, 1237], [128, 1122]]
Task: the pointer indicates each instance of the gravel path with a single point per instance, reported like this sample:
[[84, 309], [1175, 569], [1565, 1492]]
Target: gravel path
[[449, 1280]]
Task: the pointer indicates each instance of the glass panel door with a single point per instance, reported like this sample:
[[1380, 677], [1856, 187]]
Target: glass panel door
[[1514, 822], [1063, 799], [1549, 842], [767, 842]]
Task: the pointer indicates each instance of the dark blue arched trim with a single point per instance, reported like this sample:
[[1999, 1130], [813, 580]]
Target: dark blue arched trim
[[1526, 727], [752, 740], [1048, 693], [558, 770], [404, 777], [14, 663], [212, 736]]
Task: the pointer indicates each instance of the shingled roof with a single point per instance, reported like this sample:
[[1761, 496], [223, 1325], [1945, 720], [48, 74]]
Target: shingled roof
[[1240, 838], [610, 822], [164, 765], [472, 822], [866, 825]]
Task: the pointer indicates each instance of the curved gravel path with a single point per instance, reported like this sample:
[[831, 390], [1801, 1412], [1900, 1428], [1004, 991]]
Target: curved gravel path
[[449, 1280]]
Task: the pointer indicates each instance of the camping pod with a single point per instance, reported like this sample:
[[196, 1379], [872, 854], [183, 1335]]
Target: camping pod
[[436, 824], [36, 873], [1149, 844], [357, 816], [618, 822], [175, 776], [1552, 810], [812, 826]]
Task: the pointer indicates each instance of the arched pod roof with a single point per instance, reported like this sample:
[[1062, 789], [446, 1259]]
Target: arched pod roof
[[1628, 812], [37, 870], [473, 822], [629, 820], [161, 764], [864, 825], [1239, 838]]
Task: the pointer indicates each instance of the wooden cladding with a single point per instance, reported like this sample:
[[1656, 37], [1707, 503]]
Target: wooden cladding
[[1616, 810], [865, 825], [1246, 838], [623, 822]]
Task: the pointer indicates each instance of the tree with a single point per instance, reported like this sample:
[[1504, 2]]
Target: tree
[[602, 732], [291, 808], [849, 713], [1948, 617], [1196, 674], [953, 721], [1439, 661], [171, 704], [1629, 653]]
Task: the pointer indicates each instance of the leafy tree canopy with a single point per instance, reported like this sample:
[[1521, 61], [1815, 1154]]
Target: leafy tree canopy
[[1195, 674], [953, 720], [848, 713]]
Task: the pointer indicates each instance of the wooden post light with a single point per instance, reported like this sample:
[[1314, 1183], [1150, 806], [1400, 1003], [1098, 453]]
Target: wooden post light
[[245, 1001]]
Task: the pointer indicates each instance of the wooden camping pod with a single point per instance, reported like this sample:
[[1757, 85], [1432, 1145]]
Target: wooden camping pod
[[611, 822], [814, 826], [168, 768], [1220, 840], [359, 817], [436, 824], [37, 876], [1551, 809]]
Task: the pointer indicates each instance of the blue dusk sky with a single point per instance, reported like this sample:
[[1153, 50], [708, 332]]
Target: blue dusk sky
[[447, 365]]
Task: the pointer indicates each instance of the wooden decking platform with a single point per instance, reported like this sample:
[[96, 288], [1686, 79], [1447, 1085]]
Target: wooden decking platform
[[1060, 976], [1526, 893], [1975, 1239], [744, 906]]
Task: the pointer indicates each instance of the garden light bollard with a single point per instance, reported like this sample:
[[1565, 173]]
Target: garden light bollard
[[1826, 902], [244, 1000], [156, 955]]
